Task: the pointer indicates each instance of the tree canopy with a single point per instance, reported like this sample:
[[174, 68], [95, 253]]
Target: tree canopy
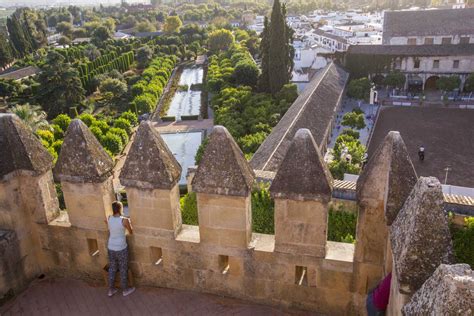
[[221, 39]]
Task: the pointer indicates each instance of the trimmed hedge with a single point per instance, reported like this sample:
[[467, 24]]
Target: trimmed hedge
[[189, 117], [149, 89]]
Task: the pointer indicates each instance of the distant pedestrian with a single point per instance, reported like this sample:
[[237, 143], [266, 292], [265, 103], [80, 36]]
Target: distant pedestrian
[[118, 249], [421, 153]]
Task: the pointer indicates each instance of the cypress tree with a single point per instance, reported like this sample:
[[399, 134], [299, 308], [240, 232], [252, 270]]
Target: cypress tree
[[264, 84], [6, 54], [290, 50], [15, 30], [278, 50]]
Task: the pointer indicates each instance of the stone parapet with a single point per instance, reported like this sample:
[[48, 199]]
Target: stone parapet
[[296, 267]]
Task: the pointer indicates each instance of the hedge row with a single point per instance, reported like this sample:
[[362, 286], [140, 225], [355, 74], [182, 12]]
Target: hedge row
[[148, 90], [222, 68], [107, 63], [113, 135]]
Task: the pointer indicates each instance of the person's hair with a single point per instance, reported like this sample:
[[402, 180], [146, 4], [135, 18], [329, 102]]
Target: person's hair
[[117, 207]]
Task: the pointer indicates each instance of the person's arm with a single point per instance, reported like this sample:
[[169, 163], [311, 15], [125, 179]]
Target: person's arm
[[126, 223]]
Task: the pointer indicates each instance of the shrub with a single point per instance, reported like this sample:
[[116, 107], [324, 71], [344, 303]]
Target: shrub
[[144, 103], [354, 120], [200, 151], [53, 153], [189, 211], [97, 132], [104, 127], [110, 153], [63, 121], [87, 118], [359, 88], [263, 210], [339, 167], [123, 124], [113, 143], [46, 136], [131, 117], [57, 131], [121, 133], [463, 242], [44, 143], [341, 225], [246, 73], [353, 133], [60, 194], [139, 87], [57, 145]]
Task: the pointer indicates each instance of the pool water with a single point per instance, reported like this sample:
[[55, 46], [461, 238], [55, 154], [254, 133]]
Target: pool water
[[188, 102], [184, 147]]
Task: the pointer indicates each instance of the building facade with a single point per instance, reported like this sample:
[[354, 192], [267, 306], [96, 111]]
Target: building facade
[[429, 27], [422, 65]]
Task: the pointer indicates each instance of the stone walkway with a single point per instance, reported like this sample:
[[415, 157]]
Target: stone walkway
[[72, 297]]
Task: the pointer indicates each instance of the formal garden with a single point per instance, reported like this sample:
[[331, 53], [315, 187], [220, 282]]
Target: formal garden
[[110, 84]]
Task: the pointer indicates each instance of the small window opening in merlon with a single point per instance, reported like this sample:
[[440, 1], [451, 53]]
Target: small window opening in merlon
[[224, 266], [93, 247], [156, 255], [301, 275]]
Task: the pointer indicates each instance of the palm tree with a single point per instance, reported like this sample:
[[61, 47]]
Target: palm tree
[[32, 115]]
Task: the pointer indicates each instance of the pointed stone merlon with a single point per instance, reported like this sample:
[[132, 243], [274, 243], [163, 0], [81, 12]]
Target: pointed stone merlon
[[150, 175], [85, 172], [449, 291], [223, 184], [420, 236], [26, 182], [302, 189], [382, 188]]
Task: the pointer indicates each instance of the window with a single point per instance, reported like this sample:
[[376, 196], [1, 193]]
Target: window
[[93, 247], [417, 64], [224, 266], [446, 40], [156, 255], [429, 41], [412, 41], [456, 64], [436, 63], [301, 275], [464, 40]]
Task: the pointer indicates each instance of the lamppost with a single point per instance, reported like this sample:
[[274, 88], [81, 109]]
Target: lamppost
[[447, 169]]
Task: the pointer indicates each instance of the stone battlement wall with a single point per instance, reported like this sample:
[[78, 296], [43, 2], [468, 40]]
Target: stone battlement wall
[[296, 267]]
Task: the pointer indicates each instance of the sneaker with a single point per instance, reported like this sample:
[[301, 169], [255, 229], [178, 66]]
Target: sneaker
[[128, 291], [112, 292]]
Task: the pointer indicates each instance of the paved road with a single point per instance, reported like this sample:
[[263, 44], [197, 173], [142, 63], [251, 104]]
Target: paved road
[[72, 297]]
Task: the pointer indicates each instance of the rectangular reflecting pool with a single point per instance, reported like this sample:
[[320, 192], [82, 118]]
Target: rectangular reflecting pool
[[184, 147], [186, 103]]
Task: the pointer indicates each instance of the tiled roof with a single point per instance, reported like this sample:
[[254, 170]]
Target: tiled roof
[[329, 35], [267, 176], [428, 22], [413, 50], [314, 109], [20, 73]]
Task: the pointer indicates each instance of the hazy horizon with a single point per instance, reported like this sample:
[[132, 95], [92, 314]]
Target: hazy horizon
[[16, 3]]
